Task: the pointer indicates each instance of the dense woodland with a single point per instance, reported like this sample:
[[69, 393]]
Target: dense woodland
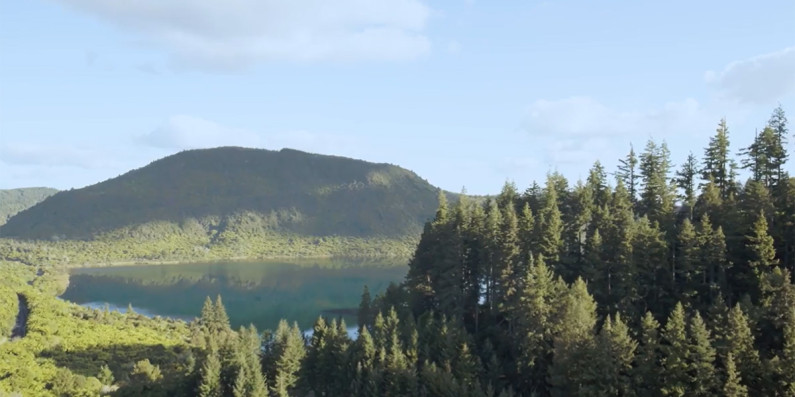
[[653, 280], [13, 201]]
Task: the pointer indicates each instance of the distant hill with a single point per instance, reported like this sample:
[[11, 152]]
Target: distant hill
[[13, 201], [242, 190]]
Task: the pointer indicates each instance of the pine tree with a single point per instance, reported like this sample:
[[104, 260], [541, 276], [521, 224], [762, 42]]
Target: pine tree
[[733, 386], [645, 373], [210, 384], [718, 165], [627, 173], [550, 226], [537, 304], [220, 320], [759, 158], [508, 245], [573, 341], [787, 356], [365, 314], [610, 372], [657, 196], [686, 182], [622, 288], [687, 261], [285, 354], [778, 155], [701, 359], [675, 376], [760, 244], [739, 342]]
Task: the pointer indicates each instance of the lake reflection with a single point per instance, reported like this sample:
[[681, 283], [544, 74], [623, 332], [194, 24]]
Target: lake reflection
[[253, 292]]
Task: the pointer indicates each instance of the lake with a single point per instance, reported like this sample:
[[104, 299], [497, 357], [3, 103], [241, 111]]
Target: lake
[[259, 293]]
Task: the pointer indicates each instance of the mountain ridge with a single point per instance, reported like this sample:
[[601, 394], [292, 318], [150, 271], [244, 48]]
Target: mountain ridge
[[285, 191]]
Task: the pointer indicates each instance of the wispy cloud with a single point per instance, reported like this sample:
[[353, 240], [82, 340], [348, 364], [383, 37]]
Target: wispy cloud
[[763, 79], [235, 34], [188, 132]]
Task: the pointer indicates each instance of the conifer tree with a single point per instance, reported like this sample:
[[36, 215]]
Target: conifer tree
[[645, 373], [657, 195], [718, 165], [210, 384], [686, 182], [733, 386], [739, 342], [365, 317], [779, 155], [701, 358], [550, 226], [687, 260], [573, 341], [611, 364], [285, 353], [760, 244], [508, 245], [675, 368], [760, 158], [627, 173]]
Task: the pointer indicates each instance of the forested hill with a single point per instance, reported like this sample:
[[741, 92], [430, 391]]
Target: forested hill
[[283, 191], [14, 200]]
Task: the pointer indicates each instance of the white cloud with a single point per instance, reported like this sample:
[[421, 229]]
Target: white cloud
[[188, 132], [580, 130], [49, 155], [235, 34], [183, 132], [763, 79], [586, 117]]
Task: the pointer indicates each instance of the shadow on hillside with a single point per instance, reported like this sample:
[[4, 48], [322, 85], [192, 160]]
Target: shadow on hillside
[[175, 366]]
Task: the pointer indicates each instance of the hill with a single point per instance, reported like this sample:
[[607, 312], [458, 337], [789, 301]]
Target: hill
[[13, 201], [228, 195]]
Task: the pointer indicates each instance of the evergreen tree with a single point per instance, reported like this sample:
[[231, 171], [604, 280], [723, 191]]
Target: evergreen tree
[[210, 384], [686, 182], [701, 359], [573, 341], [759, 158], [739, 342], [657, 196], [733, 386], [550, 226], [675, 368], [365, 314], [627, 173], [645, 373], [611, 365], [779, 155], [760, 244], [718, 165], [684, 274], [285, 353]]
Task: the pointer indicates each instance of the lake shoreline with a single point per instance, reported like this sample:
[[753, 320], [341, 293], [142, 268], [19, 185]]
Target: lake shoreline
[[238, 259]]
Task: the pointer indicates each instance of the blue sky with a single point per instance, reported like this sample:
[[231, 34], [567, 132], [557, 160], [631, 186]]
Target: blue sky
[[465, 93]]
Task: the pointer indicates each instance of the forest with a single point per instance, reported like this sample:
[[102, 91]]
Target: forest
[[651, 280]]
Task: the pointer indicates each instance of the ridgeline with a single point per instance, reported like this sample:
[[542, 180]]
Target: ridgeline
[[235, 202], [13, 201]]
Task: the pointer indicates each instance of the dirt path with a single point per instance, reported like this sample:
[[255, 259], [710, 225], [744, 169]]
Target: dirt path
[[21, 326]]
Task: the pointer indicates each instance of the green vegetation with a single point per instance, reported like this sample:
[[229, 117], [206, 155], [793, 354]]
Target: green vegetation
[[13, 201], [590, 290]]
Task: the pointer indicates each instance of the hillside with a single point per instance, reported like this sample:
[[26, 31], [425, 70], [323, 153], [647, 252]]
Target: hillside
[[13, 201], [245, 190]]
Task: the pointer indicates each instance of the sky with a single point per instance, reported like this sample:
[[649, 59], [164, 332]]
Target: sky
[[466, 93]]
